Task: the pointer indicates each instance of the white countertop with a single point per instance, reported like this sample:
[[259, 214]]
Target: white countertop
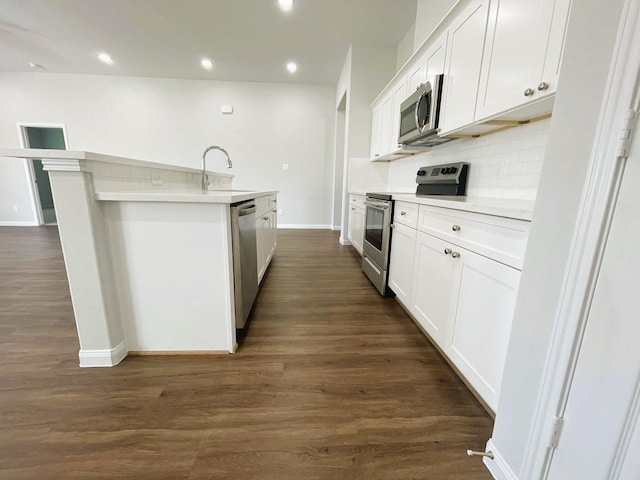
[[44, 154], [184, 196], [500, 207]]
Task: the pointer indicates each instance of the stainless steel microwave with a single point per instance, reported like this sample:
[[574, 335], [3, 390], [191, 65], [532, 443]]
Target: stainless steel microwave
[[420, 115]]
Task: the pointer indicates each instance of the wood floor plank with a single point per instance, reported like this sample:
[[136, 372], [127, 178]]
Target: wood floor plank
[[331, 381]]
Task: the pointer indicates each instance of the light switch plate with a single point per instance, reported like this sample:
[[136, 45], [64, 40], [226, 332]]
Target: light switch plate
[[226, 109], [285, 167]]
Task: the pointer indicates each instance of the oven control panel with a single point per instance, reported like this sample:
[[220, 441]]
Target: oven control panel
[[448, 179]]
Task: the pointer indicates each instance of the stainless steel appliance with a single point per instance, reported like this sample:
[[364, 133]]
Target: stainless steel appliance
[[245, 263], [420, 115], [449, 179], [377, 239]]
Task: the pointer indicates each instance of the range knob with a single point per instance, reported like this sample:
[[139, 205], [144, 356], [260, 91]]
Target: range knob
[[454, 169], [421, 173]]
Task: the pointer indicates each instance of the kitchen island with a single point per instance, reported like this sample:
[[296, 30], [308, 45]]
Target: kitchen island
[[148, 254]]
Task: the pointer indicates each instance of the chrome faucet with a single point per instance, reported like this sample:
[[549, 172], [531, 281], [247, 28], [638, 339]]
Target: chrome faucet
[[205, 179]]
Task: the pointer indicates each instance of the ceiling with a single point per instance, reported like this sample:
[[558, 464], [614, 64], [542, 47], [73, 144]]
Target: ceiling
[[248, 40]]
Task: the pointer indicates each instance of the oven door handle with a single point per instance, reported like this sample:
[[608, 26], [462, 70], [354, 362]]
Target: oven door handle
[[371, 203]]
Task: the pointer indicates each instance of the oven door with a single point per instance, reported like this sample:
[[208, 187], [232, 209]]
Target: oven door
[[377, 231]]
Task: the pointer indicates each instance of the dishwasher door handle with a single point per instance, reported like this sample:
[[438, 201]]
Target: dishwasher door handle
[[246, 210]]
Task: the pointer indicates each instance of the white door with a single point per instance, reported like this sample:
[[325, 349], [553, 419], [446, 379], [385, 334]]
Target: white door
[[401, 262], [483, 301], [433, 272], [601, 434]]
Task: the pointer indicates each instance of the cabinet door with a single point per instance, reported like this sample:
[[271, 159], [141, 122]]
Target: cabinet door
[[273, 232], [358, 230], [435, 57], [509, 69], [415, 77], [398, 95], [375, 131], [555, 16], [386, 121], [262, 244], [484, 296], [462, 69], [403, 244], [431, 293]]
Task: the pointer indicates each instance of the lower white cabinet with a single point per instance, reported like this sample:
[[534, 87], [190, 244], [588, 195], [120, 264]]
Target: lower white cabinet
[[462, 299], [401, 261], [431, 293], [356, 221], [266, 235]]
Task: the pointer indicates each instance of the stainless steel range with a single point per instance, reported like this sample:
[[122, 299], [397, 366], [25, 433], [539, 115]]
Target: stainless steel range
[[449, 179], [377, 239]]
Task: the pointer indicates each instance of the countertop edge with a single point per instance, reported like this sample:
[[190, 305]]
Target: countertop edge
[[210, 196]]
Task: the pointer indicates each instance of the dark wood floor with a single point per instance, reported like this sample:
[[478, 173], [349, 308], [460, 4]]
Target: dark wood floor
[[331, 381]]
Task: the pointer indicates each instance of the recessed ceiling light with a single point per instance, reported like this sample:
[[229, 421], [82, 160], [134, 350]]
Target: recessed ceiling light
[[35, 65], [286, 5], [105, 58], [206, 64], [292, 67]]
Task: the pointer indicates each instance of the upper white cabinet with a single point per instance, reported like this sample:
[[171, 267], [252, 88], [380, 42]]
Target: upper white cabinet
[[462, 69], [435, 57], [522, 53]]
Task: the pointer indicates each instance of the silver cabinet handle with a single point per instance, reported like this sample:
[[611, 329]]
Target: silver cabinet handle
[[456, 228], [543, 86], [447, 251], [265, 218], [403, 213], [528, 92], [455, 254], [352, 208], [488, 454], [392, 226]]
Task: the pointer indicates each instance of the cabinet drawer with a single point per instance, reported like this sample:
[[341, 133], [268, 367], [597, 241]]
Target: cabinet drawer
[[357, 200], [502, 239], [266, 203], [406, 214]]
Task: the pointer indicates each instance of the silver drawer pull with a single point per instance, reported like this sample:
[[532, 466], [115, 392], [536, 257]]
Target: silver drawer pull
[[543, 86], [265, 218], [403, 213], [456, 228], [528, 92], [447, 251], [455, 254]]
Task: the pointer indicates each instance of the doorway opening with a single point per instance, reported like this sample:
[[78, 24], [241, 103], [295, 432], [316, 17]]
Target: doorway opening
[[51, 137], [338, 167]]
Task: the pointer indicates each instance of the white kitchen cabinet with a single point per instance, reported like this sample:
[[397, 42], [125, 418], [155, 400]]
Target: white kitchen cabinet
[[356, 221], [266, 232], [462, 69], [435, 57], [401, 261], [375, 131], [483, 297], [398, 95], [522, 53], [415, 77], [431, 293]]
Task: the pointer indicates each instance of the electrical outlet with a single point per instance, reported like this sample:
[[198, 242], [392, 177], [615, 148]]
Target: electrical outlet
[[285, 167], [15, 208], [281, 211]]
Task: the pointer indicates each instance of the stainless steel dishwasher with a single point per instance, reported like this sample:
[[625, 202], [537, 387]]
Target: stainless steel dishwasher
[[245, 263]]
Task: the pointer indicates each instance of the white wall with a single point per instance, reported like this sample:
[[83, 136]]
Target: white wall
[[428, 14], [581, 90], [172, 121], [405, 47], [505, 164]]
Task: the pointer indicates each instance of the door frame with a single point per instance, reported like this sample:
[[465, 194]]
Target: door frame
[[28, 163], [597, 206]]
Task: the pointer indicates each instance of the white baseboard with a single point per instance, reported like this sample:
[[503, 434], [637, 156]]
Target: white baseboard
[[19, 224], [335, 227], [303, 226], [498, 466], [344, 241], [103, 358]]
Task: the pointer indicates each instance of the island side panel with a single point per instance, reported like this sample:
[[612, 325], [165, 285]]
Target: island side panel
[[172, 267], [83, 234]]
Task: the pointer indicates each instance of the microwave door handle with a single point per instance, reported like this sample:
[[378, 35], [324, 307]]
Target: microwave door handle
[[416, 113]]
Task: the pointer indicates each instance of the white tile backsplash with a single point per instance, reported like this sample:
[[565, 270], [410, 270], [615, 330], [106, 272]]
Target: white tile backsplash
[[503, 165]]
